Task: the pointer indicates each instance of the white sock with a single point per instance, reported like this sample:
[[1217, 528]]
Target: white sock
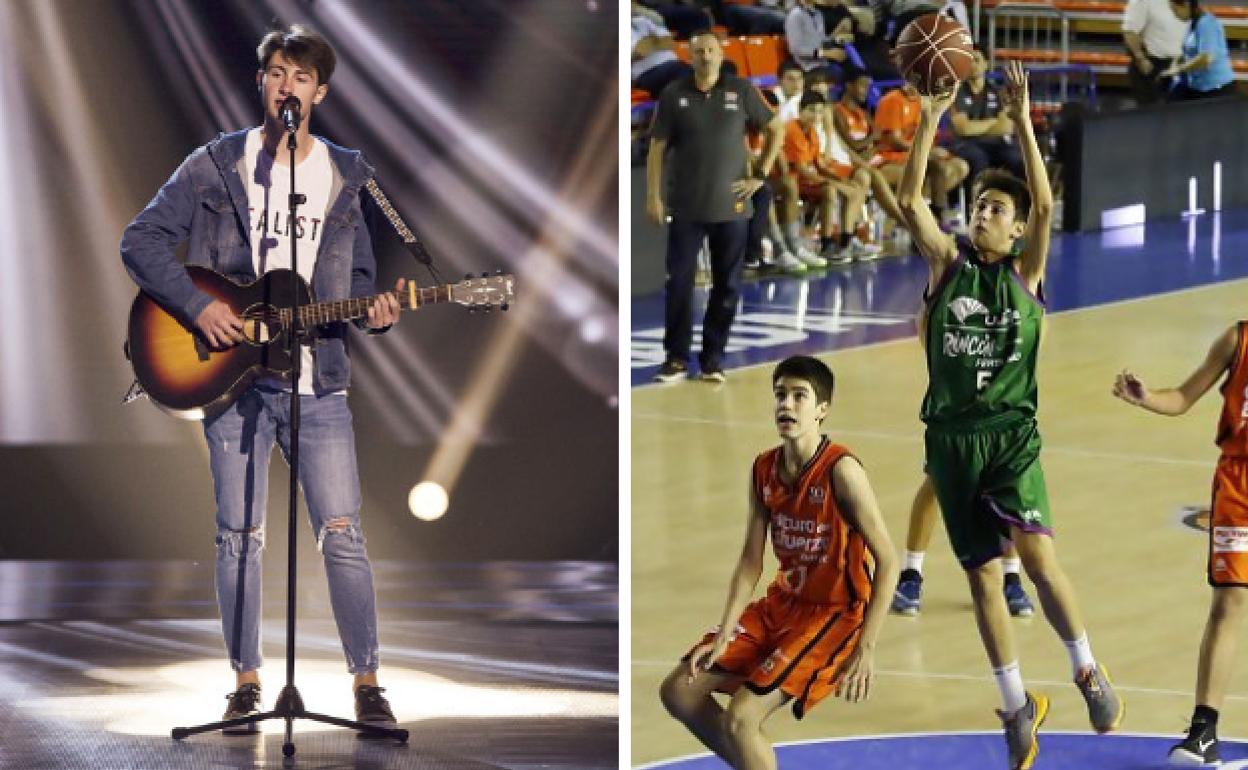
[[1080, 654], [1011, 566], [1010, 683], [914, 560], [793, 231]]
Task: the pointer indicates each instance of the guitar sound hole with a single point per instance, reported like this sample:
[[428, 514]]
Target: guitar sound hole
[[260, 325]]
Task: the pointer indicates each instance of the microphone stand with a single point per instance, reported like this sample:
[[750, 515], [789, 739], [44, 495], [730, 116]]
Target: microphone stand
[[289, 705]]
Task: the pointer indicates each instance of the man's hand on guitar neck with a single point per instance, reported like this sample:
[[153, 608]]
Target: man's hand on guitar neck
[[219, 325], [384, 311]]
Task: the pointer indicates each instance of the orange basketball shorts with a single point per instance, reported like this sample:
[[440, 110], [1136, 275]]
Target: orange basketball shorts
[[1228, 524], [793, 645]]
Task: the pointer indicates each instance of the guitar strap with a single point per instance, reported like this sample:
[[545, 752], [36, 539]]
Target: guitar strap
[[410, 240]]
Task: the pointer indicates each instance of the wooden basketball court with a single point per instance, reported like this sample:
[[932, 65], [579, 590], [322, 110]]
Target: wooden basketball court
[[1118, 479]]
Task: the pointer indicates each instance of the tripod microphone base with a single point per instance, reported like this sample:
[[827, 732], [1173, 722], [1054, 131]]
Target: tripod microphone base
[[289, 706]]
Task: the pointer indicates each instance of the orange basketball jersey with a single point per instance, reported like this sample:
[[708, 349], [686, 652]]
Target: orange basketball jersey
[[856, 120], [1233, 424], [823, 560]]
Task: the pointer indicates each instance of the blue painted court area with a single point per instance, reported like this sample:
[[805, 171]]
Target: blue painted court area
[[973, 751], [874, 302]]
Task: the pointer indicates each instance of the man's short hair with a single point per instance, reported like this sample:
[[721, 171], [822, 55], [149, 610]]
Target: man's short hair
[[303, 47], [1003, 181], [812, 370], [788, 65], [810, 98], [852, 72]]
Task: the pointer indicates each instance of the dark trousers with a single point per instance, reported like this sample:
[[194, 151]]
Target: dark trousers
[[980, 154], [727, 245], [1150, 88], [758, 223]]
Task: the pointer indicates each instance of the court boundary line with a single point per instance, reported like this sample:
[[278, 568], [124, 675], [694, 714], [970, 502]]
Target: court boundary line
[[1114, 303], [996, 734]]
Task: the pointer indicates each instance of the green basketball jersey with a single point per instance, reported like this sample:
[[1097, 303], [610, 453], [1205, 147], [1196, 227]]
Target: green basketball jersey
[[983, 332]]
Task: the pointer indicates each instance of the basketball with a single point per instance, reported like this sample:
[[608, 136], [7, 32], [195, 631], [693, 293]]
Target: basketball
[[934, 52]]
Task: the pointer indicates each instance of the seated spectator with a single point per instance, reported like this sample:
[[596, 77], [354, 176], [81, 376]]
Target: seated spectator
[[789, 89], [808, 41], [684, 18], [897, 120], [1205, 69], [654, 59], [851, 124], [1154, 38], [983, 133], [765, 17], [892, 16], [764, 226], [809, 175]]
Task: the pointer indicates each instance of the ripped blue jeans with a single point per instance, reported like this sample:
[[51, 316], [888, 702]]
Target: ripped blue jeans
[[240, 443]]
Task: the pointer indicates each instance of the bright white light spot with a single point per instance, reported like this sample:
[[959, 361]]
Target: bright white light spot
[[189, 693], [593, 330], [427, 501]]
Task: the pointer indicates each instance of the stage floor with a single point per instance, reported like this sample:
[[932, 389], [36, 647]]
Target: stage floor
[[490, 666]]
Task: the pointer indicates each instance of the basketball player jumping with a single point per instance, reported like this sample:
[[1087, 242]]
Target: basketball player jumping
[[814, 632], [984, 308], [1227, 569]]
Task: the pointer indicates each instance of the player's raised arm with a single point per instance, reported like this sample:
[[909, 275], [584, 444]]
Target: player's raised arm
[[857, 503], [1176, 401], [740, 588], [1035, 253], [935, 246]]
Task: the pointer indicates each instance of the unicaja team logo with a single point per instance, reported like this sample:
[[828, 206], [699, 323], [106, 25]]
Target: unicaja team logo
[[965, 307]]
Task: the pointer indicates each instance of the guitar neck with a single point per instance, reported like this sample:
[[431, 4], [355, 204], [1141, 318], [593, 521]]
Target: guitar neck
[[357, 307]]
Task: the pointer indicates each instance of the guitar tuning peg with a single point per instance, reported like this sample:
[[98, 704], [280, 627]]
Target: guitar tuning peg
[[485, 273], [504, 307], [467, 276], [498, 272]]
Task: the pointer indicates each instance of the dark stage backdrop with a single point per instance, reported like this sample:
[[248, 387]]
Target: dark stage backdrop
[[493, 127]]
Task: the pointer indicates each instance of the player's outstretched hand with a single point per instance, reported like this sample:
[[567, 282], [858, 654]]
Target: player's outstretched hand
[[704, 656], [938, 103], [855, 684], [1129, 388], [1017, 103]]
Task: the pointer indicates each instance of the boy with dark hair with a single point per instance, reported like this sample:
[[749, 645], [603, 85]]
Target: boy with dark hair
[[982, 327], [229, 200], [814, 633], [1227, 567]]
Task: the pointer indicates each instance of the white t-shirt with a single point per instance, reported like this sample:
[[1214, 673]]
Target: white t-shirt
[[790, 107], [268, 190], [1161, 31], [644, 28]]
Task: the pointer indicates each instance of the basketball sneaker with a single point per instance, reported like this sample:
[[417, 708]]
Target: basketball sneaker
[[713, 373], [810, 258], [909, 592], [1198, 749], [1016, 598], [788, 263], [864, 251], [1020, 731], [243, 702], [1105, 708], [672, 370]]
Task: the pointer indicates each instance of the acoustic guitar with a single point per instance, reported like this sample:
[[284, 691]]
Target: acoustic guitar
[[184, 375]]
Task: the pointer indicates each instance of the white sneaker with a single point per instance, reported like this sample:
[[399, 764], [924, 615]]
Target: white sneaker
[[864, 251], [789, 263], [810, 258], [837, 256]]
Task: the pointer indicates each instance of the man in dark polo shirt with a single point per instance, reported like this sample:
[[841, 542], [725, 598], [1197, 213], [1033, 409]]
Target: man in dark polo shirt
[[703, 119], [983, 135]]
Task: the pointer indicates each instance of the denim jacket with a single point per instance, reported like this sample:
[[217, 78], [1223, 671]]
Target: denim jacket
[[206, 201]]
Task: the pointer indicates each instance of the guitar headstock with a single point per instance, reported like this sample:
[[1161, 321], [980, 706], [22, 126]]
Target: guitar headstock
[[485, 292]]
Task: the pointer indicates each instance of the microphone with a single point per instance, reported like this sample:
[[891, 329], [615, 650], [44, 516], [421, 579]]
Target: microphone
[[290, 114]]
